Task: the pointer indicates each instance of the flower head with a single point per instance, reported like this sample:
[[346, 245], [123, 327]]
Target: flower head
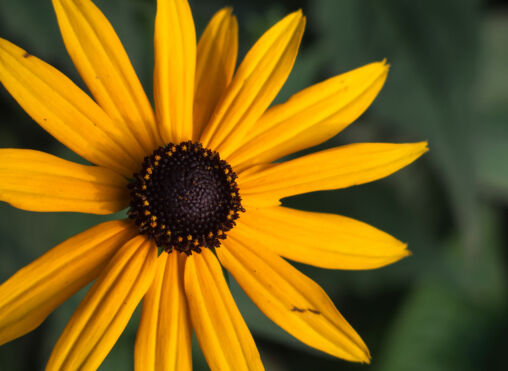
[[203, 191]]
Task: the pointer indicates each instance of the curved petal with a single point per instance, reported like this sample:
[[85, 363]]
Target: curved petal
[[175, 67], [30, 295], [106, 69], [64, 110], [222, 333], [37, 181], [292, 300], [256, 83], [335, 168], [107, 307], [323, 240], [164, 334], [215, 65], [311, 116]]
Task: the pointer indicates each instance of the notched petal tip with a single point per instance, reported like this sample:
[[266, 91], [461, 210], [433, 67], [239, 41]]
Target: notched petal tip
[[419, 148], [425, 145], [390, 259], [299, 14], [404, 253], [362, 355], [379, 69], [367, 357]]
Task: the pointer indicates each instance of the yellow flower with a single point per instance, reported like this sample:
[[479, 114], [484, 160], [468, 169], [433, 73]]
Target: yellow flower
[[197, 174]]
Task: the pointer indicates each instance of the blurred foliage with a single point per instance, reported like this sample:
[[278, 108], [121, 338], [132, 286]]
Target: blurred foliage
[[441, 309]]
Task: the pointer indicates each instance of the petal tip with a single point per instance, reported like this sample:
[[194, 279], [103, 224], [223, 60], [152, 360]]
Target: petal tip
[[297, 14], [417, 149], [364, 357], [384, 67], [225, 12], [422, 147], [404, 253], [367, 359]]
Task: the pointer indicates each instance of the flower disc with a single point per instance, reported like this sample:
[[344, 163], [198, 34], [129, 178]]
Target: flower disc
[[185, 197]]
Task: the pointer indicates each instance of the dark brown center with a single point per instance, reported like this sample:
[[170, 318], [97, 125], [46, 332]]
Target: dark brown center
[[185, 198]]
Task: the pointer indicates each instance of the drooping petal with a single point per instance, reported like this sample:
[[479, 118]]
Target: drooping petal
[[105, 67], [65, 111], [222, 333], [30, 295], [335, 168], [104, 312], [175, 65], [292, 300], [215, 65], [311, 116], [164, 334], [323, 240], [37, 181], [256, 83]]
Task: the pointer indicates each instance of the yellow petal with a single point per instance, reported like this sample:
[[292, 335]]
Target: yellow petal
[[250, 202], [256, 83], [106, 69], [311, 116], [335, 168], [222, 333], [215, 65], [30, 295], [292, 300], [107, 307], [323, 240], [164, 334], [64, 110], [37, 181], [175, 65]]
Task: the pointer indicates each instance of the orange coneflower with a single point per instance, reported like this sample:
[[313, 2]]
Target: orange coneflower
[[202, 189]]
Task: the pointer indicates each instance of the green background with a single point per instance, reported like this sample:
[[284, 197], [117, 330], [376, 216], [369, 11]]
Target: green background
[[443, 308]]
